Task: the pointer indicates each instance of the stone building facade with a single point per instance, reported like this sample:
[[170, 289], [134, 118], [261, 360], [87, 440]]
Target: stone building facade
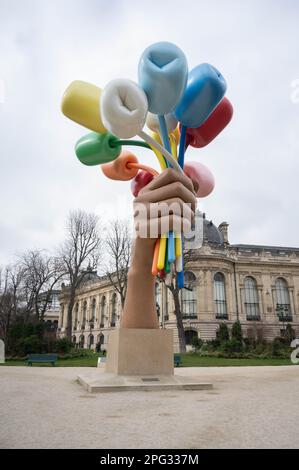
[[258, 285]]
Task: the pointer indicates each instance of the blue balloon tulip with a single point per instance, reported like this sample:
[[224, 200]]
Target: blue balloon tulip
[[163, 73], [205, 89]]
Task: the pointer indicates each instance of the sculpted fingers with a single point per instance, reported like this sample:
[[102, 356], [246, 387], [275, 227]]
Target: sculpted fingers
[[152, 228], [172, 191], [170, 176], [174, 206]]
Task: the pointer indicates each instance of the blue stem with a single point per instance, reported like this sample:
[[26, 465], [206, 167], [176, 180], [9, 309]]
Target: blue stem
[[180, 279], [182, 146], [171, 248]]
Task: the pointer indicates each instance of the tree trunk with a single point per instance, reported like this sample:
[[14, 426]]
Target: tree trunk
[[69, 323], [179, 320]]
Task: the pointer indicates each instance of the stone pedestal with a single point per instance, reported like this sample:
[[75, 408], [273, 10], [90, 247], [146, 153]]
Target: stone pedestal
[[140, 352], [138, 360]]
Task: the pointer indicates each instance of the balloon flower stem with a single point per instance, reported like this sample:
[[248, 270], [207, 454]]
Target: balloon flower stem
[[155, 259], [180, 279], [136, 143], [160, 149], [164, 135], [140, 166], [182, 146]]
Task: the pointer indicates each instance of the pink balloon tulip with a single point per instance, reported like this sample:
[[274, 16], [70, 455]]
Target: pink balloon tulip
[[202, 178]]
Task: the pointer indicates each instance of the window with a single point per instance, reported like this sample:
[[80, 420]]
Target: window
[[84, 315], [103, 311], [220, 296], [76, 316], [93, 310], [189, 336], [283, 304], [100, 339], [113, 310], [81, 342], [90, 341], [188, 296], [252, 308]]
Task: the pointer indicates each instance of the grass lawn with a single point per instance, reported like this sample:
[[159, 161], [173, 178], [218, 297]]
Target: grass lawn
[[188, 360]]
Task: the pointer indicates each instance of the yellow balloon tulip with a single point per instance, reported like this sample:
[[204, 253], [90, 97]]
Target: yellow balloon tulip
[[81, 103]]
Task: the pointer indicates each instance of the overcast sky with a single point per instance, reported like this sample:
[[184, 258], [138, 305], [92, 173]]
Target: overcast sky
[[46, 44]]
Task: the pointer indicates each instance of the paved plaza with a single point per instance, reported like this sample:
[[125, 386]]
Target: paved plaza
[[249, 407]]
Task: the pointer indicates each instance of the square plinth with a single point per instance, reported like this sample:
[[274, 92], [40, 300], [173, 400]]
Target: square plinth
[[140, 352], [99, 381]]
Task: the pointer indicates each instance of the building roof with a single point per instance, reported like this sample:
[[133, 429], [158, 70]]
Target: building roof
[[88, 276], [211, 233], [265, 248]]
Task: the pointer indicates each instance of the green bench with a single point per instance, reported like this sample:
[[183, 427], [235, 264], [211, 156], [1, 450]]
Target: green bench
[[41, 358], [177, 360]]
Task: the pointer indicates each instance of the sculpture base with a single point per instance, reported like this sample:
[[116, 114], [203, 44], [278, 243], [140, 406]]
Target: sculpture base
[[98, 381], [139, 359], [140, 352]]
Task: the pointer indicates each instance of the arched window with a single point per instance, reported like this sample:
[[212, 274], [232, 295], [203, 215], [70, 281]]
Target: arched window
[[283, 304], [189, 297], [84, 314], [103, 311], [90, 341], [93, 310], [252, 308], [113, 310], [189, 335], [81, 342], [74, 339], [76, 316], [100, 339], [220, 296]]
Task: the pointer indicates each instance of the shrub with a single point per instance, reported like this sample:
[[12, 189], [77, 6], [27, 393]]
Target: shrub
[[30, 345], [222, 333], [250, 344], [231, 346], [237, 332], [211, 345], [197, 343], [288, 335], [63, 345], [277, 347]]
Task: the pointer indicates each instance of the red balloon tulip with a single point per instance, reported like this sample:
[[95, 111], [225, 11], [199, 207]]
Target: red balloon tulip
[[216, 122], [141, 179]]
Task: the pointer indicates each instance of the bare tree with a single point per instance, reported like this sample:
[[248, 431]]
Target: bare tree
[[81, 248], [10, 281], [118, 247], [171, 284], [40, 275]]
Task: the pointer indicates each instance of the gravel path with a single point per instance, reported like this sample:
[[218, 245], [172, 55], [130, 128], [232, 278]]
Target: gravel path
[[249, 407]]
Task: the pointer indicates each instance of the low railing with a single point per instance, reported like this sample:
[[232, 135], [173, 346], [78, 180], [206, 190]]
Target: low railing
[[253, 317]]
